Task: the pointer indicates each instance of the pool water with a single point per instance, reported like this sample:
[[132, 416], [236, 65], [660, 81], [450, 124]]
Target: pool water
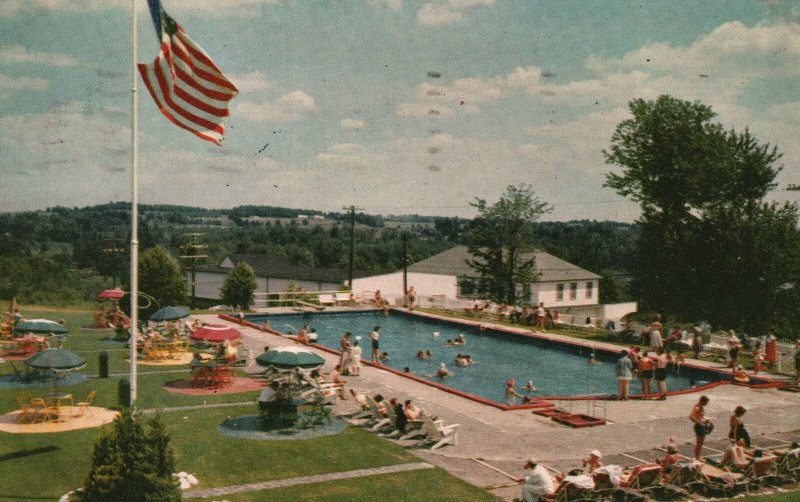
[[557, 369]]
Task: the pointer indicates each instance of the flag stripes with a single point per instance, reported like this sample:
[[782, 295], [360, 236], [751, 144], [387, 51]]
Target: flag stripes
[[187, 86]]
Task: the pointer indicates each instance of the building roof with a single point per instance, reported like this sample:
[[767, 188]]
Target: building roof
[[277, 266], [454, 262]]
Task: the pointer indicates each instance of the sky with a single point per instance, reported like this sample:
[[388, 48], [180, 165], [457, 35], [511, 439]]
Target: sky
[[394, 106]]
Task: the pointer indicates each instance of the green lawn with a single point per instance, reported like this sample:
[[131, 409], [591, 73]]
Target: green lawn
[[45, 466]]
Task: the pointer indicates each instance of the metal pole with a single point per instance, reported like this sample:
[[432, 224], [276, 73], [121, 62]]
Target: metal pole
[[134, 205], [404, 236]]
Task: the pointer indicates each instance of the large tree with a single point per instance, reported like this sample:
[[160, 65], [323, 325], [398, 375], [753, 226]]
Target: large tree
[[239, 285], [160, 277], [499, 237], [703, 223]]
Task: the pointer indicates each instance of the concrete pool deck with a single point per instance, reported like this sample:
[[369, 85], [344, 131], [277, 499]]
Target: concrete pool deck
[[503, 439]]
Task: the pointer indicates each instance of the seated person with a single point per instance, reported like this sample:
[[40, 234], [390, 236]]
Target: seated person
[[411, 411], [301, 337], [381, 405], [536, 482], [196, 362], [669, 461], [593, 462], [576, 477], [269, 395], [360, 399], [312, 335], [529, 387], [740, 375], [737, 456]]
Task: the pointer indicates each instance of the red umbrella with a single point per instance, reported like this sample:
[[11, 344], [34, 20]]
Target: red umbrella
[[215, 333], [110, 294]]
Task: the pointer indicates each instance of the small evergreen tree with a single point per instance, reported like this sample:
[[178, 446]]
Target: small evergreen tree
[[131, 465], [239, 285]]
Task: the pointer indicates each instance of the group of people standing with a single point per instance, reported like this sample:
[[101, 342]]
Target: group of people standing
[[646, 366], [350, 357]]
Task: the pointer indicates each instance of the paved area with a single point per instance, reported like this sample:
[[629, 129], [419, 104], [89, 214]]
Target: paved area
[[503, 439]]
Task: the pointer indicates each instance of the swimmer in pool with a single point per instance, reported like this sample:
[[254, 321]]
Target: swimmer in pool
[[529, 387]]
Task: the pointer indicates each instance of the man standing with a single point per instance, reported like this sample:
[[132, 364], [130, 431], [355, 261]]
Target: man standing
[[624, 372], [655, 330], [374, 336], [702, 426], [541, 316], [536, 482]]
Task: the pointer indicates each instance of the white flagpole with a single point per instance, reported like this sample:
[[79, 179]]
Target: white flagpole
[[134, 206]]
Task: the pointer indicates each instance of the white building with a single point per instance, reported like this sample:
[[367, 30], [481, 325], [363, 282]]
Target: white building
[[447, 274]]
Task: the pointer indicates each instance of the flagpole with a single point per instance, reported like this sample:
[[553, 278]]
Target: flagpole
[[134, 206]]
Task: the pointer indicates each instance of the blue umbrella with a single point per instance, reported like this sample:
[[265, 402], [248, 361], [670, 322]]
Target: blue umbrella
[[40, 327], [169, 314], [290, 357]]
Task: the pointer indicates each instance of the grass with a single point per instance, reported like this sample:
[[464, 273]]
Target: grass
[[45, 466]]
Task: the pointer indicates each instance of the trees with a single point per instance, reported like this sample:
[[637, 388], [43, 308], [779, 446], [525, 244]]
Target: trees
[[499, 236], [130, 464], [239, 285], [708, 242], [160, 277]]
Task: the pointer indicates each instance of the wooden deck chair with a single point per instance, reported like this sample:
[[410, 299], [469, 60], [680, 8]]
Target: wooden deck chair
[[642, 476], [418, 430], [789, 465], [373, 415], [344, 298], [567, 491], [437, 434], [83, 406], [26, 413], [387, 424]]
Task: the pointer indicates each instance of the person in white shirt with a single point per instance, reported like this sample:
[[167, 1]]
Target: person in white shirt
[[536, 483]]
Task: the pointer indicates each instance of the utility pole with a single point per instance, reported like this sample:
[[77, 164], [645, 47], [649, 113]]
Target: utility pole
[[404, 236], [352, 210], [192, 248]]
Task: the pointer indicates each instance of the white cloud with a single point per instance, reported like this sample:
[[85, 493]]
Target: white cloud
[[442, 13], [290, 107], [19, 54], [351, 124], [251, 82], [9, 85], [391, 4]]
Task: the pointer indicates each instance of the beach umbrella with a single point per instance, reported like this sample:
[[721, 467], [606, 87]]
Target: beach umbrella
[[39, 327], [215, 333], [57, 361], [169, 314], [110, 294], [290, 357]]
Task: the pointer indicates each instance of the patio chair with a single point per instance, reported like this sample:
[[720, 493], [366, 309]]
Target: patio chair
[[83, 406], [373, 415], [344, 298], [26, 413], [566, 491], [789, 465], [387, 424], [418, 429], [642, 476], [326, 300], [437, 434], [45, 412]]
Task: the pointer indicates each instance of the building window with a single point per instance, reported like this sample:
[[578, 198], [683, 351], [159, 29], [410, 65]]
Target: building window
[[589, 289], [560, 291], [573, 291]]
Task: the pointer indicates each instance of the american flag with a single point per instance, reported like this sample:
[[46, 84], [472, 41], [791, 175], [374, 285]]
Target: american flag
[[185, 83]]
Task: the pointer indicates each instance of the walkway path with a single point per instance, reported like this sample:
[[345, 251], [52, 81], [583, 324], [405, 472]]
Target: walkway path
[[319, 478]]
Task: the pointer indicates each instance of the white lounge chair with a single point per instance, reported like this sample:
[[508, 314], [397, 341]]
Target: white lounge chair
[[370, 417], [437, 434], [344, 298]]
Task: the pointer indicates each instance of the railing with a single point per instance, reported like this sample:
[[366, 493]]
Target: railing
[[294, 298]]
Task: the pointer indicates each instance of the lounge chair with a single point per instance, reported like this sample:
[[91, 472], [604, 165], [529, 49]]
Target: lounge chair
[[370, 417], [83, 406], [437, 434], [566, 491], [326, 299], [416, 428], [642, 476], [344, 298], [720, 482], [789, 465]]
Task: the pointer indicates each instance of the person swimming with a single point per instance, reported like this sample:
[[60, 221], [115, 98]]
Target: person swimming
[[529, 387], [443, 372], [592, 359], [424, 354]]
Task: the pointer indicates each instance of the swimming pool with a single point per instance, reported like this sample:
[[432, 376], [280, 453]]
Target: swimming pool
[[557, 369]]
